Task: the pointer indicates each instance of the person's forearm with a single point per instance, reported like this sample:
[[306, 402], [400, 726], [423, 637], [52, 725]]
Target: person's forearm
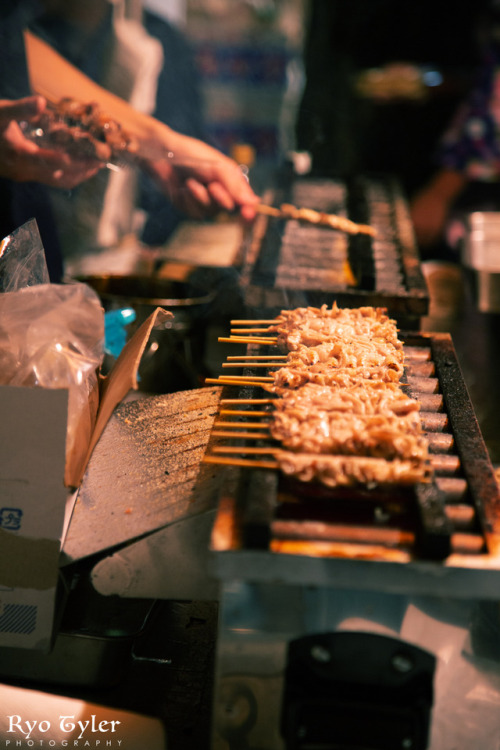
[[447, 184], [431, 206]]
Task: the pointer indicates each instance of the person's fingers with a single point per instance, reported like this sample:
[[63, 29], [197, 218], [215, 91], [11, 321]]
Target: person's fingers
[[248, 211], [16, 142], [51, 168], [67, 172], [235, 183], [72, 178], [202, 185], [245, 201], [28, 108], [206, 200], [199, 192], [219, 171], [193, 199], [220, 195]]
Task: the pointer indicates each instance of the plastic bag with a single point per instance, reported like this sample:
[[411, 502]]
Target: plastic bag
[[22, 259], [51, 335]]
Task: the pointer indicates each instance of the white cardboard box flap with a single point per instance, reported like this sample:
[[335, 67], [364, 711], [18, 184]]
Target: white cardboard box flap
[[34, 503], [114, 388]]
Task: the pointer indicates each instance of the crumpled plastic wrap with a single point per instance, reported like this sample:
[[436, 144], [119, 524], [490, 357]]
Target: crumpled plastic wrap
[[22, 259], [51, 335]]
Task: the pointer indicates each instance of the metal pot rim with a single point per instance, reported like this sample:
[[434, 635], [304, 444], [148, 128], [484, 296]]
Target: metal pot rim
[[201, 298]]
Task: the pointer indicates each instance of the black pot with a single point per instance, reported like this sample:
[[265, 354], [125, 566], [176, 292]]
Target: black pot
[[174, 359]]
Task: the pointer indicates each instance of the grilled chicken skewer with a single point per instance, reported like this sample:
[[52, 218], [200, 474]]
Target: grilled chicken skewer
[[309, 215]]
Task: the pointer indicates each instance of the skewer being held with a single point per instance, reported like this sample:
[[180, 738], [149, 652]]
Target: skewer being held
[[309, 215], [201, 181], [198, 179]]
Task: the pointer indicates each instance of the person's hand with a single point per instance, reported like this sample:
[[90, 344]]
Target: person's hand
[[430, 208], [428, 213], [201, 181], [23, 160]]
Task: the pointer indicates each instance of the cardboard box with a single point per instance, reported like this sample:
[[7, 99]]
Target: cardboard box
[[37, 492]]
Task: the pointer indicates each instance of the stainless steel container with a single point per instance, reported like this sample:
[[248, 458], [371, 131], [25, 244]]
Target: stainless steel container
[[481, 259]]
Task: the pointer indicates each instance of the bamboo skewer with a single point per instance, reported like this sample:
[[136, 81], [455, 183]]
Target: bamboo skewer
[[319, 218], [242, 413], [246, 377], [230, 461], [259, 333], [247, 449], [254, 364], [254, 322], [246, 425], [241, 435], [247, 340], [248, 330], [233, 381], [256, 357], [241, 379], [230, 401], [263, 208]]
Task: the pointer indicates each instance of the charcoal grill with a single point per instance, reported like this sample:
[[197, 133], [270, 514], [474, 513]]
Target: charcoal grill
[[292, 264], [457, 513], [299, 567]]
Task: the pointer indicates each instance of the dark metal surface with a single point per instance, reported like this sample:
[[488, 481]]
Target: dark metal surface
[[366, 690], [476, 337], [470, 447], [434, 528]]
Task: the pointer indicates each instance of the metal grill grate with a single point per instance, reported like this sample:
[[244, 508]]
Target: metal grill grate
[[291, 264], [458, 512]]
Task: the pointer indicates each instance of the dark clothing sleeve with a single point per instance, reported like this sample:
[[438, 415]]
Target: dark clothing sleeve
[[178, 105]]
